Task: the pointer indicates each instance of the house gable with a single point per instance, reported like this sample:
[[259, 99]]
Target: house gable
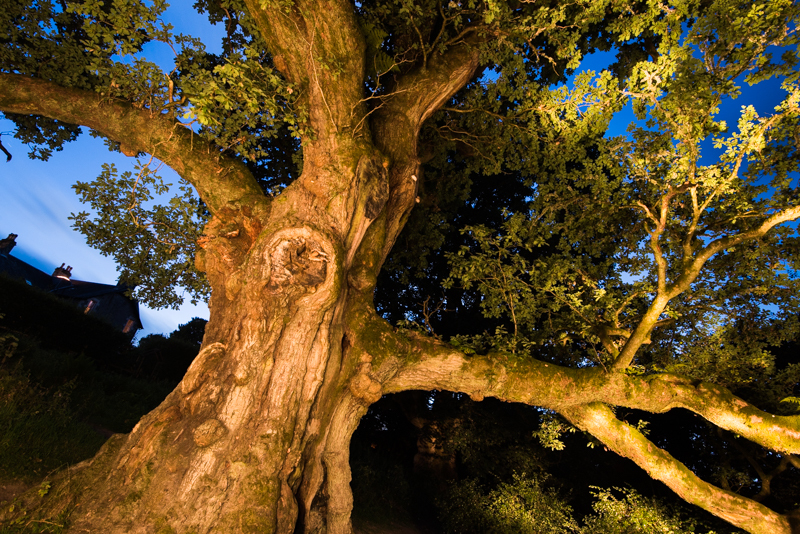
[[107, 302]]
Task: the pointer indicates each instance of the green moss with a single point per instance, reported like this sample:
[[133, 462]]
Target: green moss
[[162, 526], [131, 498], [377, 338], [141, 483], [248, 521], [264, 491]]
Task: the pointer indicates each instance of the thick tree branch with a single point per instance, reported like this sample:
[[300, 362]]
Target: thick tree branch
[[319, 47], [219, 180], [409, 361], [396, 125], [599, 421]]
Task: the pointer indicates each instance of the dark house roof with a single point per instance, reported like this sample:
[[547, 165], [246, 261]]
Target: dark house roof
[[105, 301]]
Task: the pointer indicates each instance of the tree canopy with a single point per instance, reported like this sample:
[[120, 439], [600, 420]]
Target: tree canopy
[[431, 194]]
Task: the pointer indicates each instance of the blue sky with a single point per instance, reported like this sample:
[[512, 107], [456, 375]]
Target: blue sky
[[36, 197]]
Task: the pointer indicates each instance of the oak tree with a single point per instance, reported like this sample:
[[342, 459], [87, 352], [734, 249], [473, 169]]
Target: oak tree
[[333, 144]]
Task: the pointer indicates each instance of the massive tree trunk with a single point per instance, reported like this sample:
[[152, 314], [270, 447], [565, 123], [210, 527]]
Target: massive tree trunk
[[256, 436], [257, 433]]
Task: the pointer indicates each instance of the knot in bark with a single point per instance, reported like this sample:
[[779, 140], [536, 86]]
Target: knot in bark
[[209, 432], [365, 388], [298, 261]]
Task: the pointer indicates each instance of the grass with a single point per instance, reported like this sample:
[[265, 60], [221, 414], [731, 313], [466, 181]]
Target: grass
[[58, 408], [40, 433]]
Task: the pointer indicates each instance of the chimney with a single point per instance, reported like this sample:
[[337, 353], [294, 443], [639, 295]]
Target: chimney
[[63, 273], [7, 244]]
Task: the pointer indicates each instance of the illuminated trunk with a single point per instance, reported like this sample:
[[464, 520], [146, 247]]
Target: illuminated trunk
[[256, 436]]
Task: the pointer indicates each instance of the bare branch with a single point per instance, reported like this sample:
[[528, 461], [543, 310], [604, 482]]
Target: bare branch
[[693, 270], [689, 275]]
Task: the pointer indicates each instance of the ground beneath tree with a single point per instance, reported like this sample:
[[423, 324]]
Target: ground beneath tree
[[10, 489], [369, 527]]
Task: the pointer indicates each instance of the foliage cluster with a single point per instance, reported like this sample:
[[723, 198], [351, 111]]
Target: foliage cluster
[[167, 357], [124, 204], [526, 505], [523, 506], [569, 254]]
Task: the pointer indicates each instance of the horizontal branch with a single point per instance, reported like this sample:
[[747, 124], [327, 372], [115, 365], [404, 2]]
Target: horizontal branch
[[410, 361], [218, 179], [598, 420]]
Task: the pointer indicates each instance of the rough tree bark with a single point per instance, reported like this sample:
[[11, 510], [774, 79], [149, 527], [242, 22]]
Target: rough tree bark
[[256, 436]]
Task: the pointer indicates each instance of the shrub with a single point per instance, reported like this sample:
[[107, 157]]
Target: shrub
[[633, 514], [40, 433], [522, 506]]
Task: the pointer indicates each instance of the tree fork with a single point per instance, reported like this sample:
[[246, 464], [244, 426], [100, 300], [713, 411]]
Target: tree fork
[[625, 440]]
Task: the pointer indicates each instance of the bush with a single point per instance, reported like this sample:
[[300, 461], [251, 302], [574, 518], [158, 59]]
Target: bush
[[58, 408], [522, 506], [161, 358], [633, 514], [40, 432]]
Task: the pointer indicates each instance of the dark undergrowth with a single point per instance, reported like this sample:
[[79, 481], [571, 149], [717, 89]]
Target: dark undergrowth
[[473, 468], [58, 408]]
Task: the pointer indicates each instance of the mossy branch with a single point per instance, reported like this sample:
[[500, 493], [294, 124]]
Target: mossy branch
[[416, 362], [627, 441], [219, 180]]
